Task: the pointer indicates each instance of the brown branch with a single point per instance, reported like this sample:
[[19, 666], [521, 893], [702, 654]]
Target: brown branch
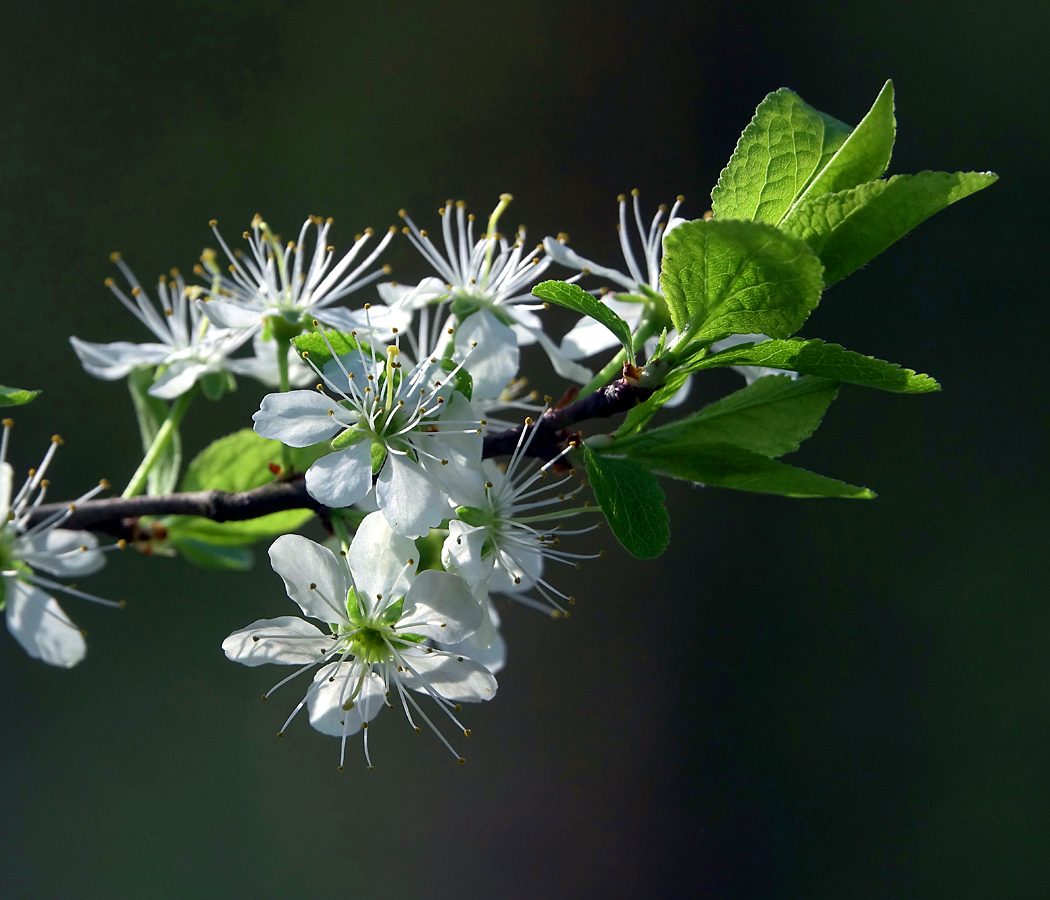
[[118, 516]]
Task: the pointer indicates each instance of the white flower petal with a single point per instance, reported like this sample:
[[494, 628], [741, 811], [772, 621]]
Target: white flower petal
[[341, 478], [230, 315], [428, 291], [455, 677], [7, 477], [461, 552], [527, 566], [564, 255], [40, 625], [378, 558], [178, 378], [411, 500], [297, 418], [112, 361], [441, 606], [301, 562], [58, 552], [333, 686], [563, 365], [356, 363], [286, 640], [262, 366], [379, 321], [494, 361]]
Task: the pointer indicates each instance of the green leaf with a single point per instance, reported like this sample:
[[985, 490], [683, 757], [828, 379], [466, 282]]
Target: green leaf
[[849, 228], [738, 277], [151, 413], [723, 465], [633, 504], [863, 157], [312, 343], [206, 556], [10, 396], [827, 360], [771, 416], [784, 147], [234, 463], [573, 297]]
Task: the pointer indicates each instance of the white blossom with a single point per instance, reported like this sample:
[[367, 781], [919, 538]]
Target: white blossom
[[414, 431], [33, 615], [504, 530], [190, 346], [489, 284], [380, 614], [294, 283]]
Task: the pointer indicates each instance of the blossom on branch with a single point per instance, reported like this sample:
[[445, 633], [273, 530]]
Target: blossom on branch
[[381, 614]]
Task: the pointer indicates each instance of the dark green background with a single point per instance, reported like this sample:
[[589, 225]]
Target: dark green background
[[799, 699]]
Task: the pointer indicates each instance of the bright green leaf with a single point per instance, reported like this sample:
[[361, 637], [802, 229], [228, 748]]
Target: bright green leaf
[[233, 534], [738, 278], [207, 556], [633, 503], [151, 413], [573, 297], [849, 228], [863, 157], [827, 360], [10, 396], [723, 465], [779, 153], [770, 416]]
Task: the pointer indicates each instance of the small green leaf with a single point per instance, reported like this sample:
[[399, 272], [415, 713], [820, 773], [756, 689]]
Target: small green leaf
[[738, 278], [207, 556], [10, 396], [827, 360], [724, 465], [151, 413], [770, 416], [313, 344], [573, 297], [849, 228], [778, 155], [633, 504], [863, 157]]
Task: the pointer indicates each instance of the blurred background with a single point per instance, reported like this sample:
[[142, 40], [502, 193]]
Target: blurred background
[[799, 699]]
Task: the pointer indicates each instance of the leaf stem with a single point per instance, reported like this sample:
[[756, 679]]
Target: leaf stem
[[160, 442], [646, 329], [283, 346]]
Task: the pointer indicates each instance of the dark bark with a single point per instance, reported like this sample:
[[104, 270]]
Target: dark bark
[[118, 515]]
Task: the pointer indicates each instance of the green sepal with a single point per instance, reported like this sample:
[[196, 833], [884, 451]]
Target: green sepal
[[728, 466], [852, 227], [378, 456], [210, 556], [632, 501], [463, 382], [827, 360], [284, 328], [151, 412], [725, 277], [313, 344], [784, 147], [573, 297], [215, 385], [392, 614], [347, 438], [410, 638], [771, 416], [10, 396], [473, 516]]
